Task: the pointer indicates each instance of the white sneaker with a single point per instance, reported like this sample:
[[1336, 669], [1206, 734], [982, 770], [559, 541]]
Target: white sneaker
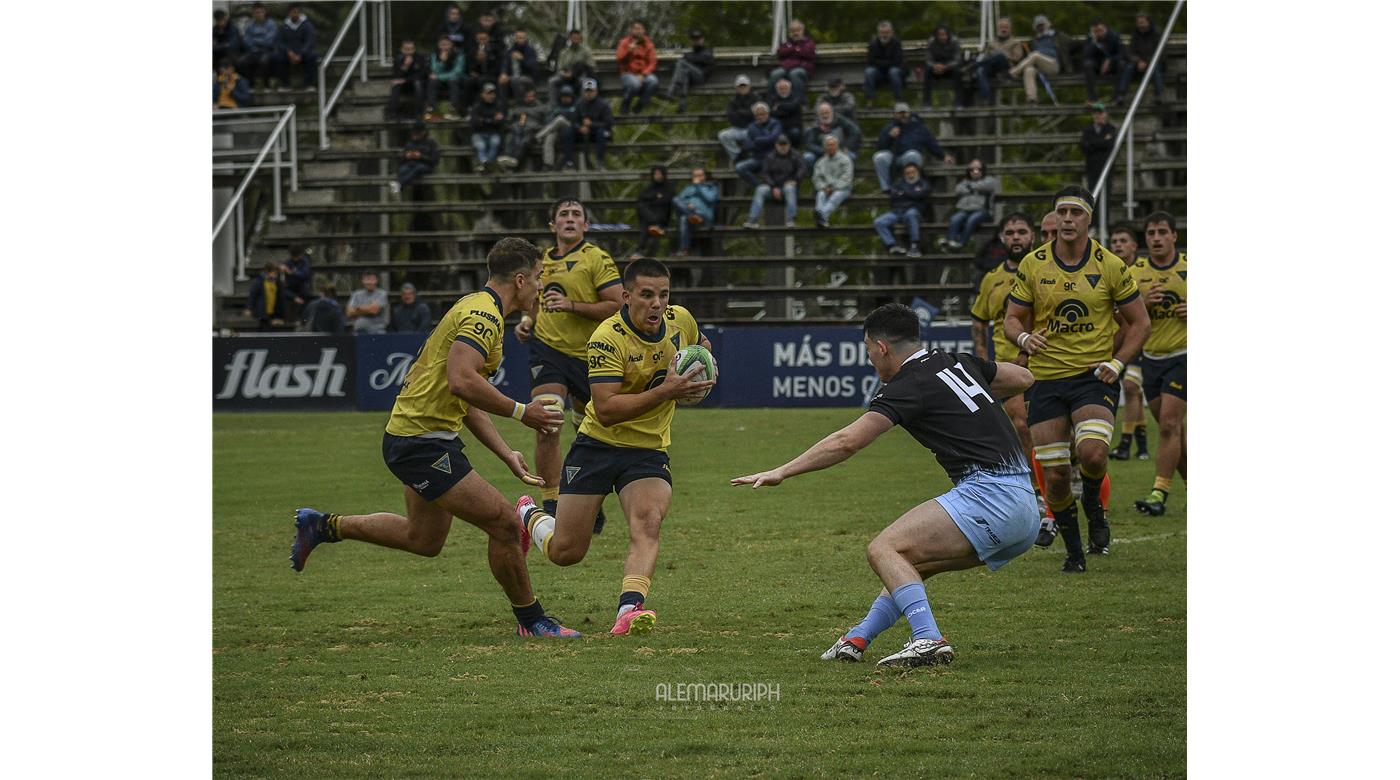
[[921, 652], [843, 650]]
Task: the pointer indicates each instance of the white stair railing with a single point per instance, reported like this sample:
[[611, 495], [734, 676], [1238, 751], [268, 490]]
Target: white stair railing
[[283, 134], [326, 104]]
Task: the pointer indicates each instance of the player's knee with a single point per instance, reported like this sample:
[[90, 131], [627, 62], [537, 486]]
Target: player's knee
[[564, 555], [428, 546], [1169, 428]]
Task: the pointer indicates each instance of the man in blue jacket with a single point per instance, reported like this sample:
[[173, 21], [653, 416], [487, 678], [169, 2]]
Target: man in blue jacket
[[901, 143], [759, 139], [260, 47], [297, 41], [884, 61], [1103, 54], [520, 68], [907, 199], [592, 124]]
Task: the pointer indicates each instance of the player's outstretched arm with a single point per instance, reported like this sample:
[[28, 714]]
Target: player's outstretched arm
[[464, 380], [613, 407], [826, 453], [481, 426], [1010, 380]]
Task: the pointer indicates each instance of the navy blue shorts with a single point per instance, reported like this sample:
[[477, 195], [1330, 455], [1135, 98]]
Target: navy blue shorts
[[550, 366], [430, 466], [1164, 376], [593, 468], [1050, 399]]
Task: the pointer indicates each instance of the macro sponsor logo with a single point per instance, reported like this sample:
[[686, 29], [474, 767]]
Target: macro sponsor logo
[[1071, 316], [1165, 308], [251, 376]]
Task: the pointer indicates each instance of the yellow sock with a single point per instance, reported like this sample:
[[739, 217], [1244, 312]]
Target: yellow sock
[[637, 583], [1162, 483], [550, 494]]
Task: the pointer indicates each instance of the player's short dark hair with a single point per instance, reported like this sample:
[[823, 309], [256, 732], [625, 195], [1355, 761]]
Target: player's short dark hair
[[554, 210], [1124, 227], [1076, 191], [892, 323], [1015, 216], [510, 256], [644, 266], [1158, 217]]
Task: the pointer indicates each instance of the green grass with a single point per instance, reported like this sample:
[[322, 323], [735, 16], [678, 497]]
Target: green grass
[[375, 662]]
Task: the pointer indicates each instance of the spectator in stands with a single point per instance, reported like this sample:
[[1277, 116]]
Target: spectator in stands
[[636, 67], [653, 211], [842, 102], [520, 68], [487, 121], [260, 52], [901, 142], [943, 65], [786, 107], [227, 41], [1096, 142], [782, 168], [884, 62], [1137, 56], [593, 122], [297, 41], [692, 69], [230, 89], [409, 74], [420, 156], [759, 139], [1103, 54], [526, 121], [448, 69], [997, 57], [486, 22], [847, 135], [833, 177], [695, 207], [908, 196], [296, 274], [483, 64], [455, 29], [558, 123], [324, 315], [411, 315], [740, 114], [797, 59], [267, 298], [369, 306], [576, 63], [1046, 56], [972, 207]]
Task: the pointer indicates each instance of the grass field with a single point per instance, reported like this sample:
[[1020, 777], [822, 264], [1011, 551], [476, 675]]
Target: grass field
[[375, 662]]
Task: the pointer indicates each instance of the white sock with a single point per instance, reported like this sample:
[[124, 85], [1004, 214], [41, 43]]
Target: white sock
[[542, 531], [624, 609]]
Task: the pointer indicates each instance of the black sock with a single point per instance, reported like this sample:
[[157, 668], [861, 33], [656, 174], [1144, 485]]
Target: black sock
[[630, 597], [550, 506], [1124, 442], [1067, 520], [1093, 508], [528, 614], [1140, 436]]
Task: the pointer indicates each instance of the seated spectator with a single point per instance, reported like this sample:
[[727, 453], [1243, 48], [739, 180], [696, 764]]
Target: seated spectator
[[369, 306], [496, 33], [842, 102], [1096, 143], [759, 139], [908, 196], [483, 65], [448, 69], [1103, 54], [574, 65], [324, 315], [739, 112], [782, 168], [786, 108], [901, 143], [267, 298], [1044, 57], [847, 135], [296, 274], [487, 121], [833, 176], [695, 207], [526, 120], [409, 74], [227, 41], [1137, 56], [884, 63], [653, 211], [593, 121], [558, 124], [411, 315], [797, 59], [973, 205], [260, 48], [636, 67], [520, 68], [943, 66], [996, 58], [420, 156], [230, 89], [692, 69], [455, 29], [297, 40]]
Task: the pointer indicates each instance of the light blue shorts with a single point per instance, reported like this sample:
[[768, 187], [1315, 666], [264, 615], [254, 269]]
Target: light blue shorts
[[998, 513]]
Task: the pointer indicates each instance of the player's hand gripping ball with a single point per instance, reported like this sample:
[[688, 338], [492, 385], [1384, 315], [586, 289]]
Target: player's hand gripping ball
[[684, 360]]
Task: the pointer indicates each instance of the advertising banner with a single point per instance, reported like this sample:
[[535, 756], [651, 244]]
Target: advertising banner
[[383, 362], [266, 373]]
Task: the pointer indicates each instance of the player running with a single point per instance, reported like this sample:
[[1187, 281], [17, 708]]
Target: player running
[[581, 289], [1122, 239], [621, 445], [1162, 277], [1061, 311], [446, 387], [947, 402]]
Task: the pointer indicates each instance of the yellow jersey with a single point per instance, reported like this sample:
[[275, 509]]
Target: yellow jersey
[[580, 276], [990, 306], [1168, 337], [1075, 306], [425, 405], [618, 352]]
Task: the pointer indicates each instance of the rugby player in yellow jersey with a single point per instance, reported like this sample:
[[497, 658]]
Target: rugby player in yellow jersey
[[447, 387], [1061, 312], [622, 443], [1122, 239], [581, 289], [1162, 278]]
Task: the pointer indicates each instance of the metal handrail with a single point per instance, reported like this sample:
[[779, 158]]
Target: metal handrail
[[1128, 122], [325, 105], [286, 124]]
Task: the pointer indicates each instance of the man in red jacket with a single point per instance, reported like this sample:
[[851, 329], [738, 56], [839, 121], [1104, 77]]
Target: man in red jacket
[[797, 59], [636, 64]]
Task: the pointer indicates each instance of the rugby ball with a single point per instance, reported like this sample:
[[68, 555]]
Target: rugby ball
[[689, 356]]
